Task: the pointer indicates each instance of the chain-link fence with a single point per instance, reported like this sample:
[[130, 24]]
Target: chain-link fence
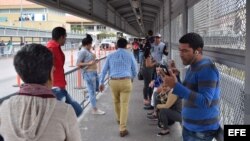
[[232, 86], [221, 23], [176, 29]]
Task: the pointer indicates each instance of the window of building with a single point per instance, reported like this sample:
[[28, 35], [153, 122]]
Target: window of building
[[101, 27], [89, 27]]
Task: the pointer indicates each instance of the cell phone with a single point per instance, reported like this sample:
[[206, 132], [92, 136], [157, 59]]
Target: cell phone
[[165, 69]]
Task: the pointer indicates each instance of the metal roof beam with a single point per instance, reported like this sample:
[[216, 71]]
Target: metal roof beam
[[150, 6], [112, 1], [128, 14], [123, 6]]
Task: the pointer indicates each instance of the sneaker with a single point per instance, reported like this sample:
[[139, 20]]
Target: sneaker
[[148, 108], [152, 117], [150, 113], [98, 112]]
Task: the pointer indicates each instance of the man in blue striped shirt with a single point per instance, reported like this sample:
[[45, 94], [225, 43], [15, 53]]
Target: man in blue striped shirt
[[122, 68], [200, 91]]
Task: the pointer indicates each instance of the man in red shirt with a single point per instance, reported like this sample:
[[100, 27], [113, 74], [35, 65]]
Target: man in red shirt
[[58, 39]]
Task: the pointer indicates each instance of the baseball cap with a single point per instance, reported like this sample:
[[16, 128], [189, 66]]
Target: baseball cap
[[158, 35]]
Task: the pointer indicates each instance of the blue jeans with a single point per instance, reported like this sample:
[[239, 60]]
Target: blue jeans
[[63, 95], [198, 136], [141, 54], [92, 82]]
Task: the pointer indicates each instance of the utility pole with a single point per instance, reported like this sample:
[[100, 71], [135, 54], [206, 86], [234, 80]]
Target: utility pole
[[21, 13]]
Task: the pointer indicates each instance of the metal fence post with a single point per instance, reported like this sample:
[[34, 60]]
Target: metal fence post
[[247, 67]]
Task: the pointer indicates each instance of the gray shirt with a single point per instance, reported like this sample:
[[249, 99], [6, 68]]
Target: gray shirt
[[157, 51], [84, 56]]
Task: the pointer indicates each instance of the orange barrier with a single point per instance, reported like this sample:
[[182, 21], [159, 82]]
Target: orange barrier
[[72, 59], [18, 81], [79, 80]]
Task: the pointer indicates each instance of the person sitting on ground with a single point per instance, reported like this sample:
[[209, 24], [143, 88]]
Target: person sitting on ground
[[155, 84], [168, 112], [34, 114], [160, 97]]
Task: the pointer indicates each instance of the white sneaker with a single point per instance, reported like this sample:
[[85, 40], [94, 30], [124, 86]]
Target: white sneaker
[[98, 112]]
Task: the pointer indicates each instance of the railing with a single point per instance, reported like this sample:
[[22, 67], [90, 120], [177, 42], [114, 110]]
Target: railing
[[27, 32], [10, 50], [76, 87]]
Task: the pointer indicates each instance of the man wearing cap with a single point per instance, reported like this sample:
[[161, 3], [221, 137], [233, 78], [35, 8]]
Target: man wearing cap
[[158, 49]]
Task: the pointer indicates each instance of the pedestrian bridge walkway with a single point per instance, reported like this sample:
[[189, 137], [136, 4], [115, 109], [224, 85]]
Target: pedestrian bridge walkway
[[105, 127]]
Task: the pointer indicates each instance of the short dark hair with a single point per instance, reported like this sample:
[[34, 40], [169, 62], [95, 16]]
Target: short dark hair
[[150, 33], [194, 40], [33, 63], [87, 40], [58, 32], [122, 43]]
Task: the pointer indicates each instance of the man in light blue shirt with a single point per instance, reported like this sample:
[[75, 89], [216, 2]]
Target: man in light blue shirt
[[121, 67]]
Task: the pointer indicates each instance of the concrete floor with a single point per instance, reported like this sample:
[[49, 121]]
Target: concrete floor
[[105, 127]]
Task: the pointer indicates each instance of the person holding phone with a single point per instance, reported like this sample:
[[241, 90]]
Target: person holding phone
[[88, 62], [200, 91]]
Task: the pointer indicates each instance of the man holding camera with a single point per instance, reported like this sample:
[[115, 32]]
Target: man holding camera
[[200, 91]]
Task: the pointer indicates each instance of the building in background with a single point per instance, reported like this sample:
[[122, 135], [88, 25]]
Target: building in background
[[25, 14], [97, 30]]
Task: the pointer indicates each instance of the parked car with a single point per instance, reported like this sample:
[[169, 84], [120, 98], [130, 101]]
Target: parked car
[[107, 43]]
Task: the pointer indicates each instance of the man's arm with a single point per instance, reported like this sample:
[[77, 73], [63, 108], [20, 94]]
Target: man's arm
[[55, 53], [134, 67], [207, 87], [80, 58], [105, 69], [165, 50], [169, 103]]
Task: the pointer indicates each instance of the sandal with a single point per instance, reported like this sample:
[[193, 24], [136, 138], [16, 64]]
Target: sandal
[[163, 133]]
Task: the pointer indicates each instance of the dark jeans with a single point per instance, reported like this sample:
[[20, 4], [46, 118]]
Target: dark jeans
[[147, 77], [198, 136], [1, 138], [136, 54], [62, 95], [168, 115]]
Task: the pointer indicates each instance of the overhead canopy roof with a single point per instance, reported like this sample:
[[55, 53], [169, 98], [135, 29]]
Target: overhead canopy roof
[[134, 17]]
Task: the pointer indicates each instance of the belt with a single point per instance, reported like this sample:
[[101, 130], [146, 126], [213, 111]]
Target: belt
[[120, 78]]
